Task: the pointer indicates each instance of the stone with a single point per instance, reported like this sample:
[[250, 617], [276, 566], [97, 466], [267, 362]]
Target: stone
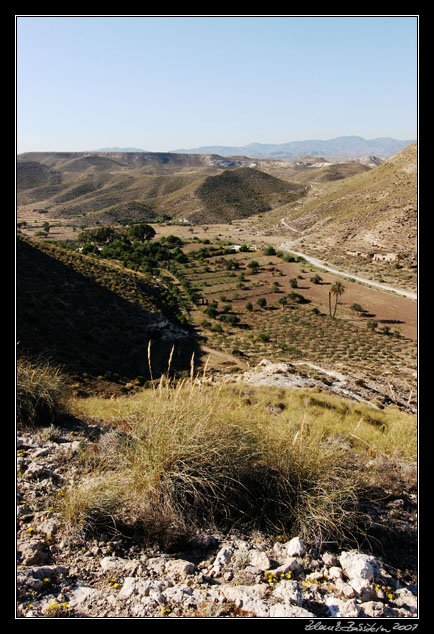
[[179, 568], [335, 573], [259, 559], [295, 547], [118, 564], [340, 608], [282, 611], [289, 591], [363, 588], [357, 565], [292, 565], [83, 594], [330, 559], [33, 553], [405, 598], [373, 609]]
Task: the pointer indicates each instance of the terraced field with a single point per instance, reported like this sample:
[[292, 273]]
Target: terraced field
[[293, 322]]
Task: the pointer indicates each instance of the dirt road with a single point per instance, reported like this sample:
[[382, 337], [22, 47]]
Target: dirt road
[[321, 265]]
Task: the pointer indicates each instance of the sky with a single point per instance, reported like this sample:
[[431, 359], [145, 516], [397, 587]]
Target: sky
[[161, 83]]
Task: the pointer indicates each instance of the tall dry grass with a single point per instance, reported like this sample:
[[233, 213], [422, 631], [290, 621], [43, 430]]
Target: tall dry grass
[[40, 392], [183, 457]]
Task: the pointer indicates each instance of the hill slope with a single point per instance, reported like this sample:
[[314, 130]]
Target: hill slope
[[94, 316], [125, 187], [375, 211]]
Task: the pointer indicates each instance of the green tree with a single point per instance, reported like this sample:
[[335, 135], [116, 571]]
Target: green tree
[[141, 232], [262, 302], [337, 289]]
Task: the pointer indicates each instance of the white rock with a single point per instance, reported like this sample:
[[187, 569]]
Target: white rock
[[289, 591], [291, 564], [344, 588], [357, 565], [259, 559], [330, 559], [83, 594], [282, 611], [130, 587], [339, 608], [223, 557], [373, 609], [295, 547], [363, 588], [405, 598], [179, 568], [335, 573], [118, 564]]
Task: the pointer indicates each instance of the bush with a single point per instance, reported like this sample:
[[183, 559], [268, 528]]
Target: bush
[[199, 459], [40, 393]]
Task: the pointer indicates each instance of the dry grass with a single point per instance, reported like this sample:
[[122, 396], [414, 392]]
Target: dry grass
[[40, 393], [183, 457]]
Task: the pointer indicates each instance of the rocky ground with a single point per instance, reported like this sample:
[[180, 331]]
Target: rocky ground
[[214, 576]]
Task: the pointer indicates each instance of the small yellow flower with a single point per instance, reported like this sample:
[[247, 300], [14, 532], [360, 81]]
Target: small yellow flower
[[288, 575], [49, 538], [46, 580], [66, 605], [30, 530], [115, 585], [390, 596], [61, 492]]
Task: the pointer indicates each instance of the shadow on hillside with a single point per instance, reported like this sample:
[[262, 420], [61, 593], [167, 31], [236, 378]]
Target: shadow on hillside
[[96, 319]]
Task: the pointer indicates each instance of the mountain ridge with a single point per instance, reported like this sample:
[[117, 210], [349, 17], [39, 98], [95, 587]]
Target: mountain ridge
[[339, 147]]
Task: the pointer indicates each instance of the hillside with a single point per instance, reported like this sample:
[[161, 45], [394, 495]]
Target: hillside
[[94, 316], [242, 193], [126, 187], [366, 220]]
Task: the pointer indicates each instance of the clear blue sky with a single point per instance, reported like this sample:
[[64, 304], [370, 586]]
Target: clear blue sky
[[164, 83]]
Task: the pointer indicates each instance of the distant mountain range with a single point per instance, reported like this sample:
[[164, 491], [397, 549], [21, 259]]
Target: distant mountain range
[[119, 149], [340, 147]]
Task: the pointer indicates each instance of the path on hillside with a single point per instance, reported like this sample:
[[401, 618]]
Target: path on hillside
[[321, 265], [225, 356]]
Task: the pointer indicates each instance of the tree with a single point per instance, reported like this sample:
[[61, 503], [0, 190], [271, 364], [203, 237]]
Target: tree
[[337, 290], [141, 232], [253, 266], [262, 302]]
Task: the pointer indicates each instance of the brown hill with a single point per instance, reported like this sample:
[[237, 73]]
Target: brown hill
[[125, 187], [94, 316], [371, 212]]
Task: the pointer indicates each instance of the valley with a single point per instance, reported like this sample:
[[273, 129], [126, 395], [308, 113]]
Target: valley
[[215, 351]]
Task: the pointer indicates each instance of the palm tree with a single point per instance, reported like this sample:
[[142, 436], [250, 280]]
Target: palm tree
[[337, 290]]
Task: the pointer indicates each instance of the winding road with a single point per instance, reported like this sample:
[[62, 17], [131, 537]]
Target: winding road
[[321, 265]]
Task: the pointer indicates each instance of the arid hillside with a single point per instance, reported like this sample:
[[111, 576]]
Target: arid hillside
[[375, 211], [94, 316], [119, 188]]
